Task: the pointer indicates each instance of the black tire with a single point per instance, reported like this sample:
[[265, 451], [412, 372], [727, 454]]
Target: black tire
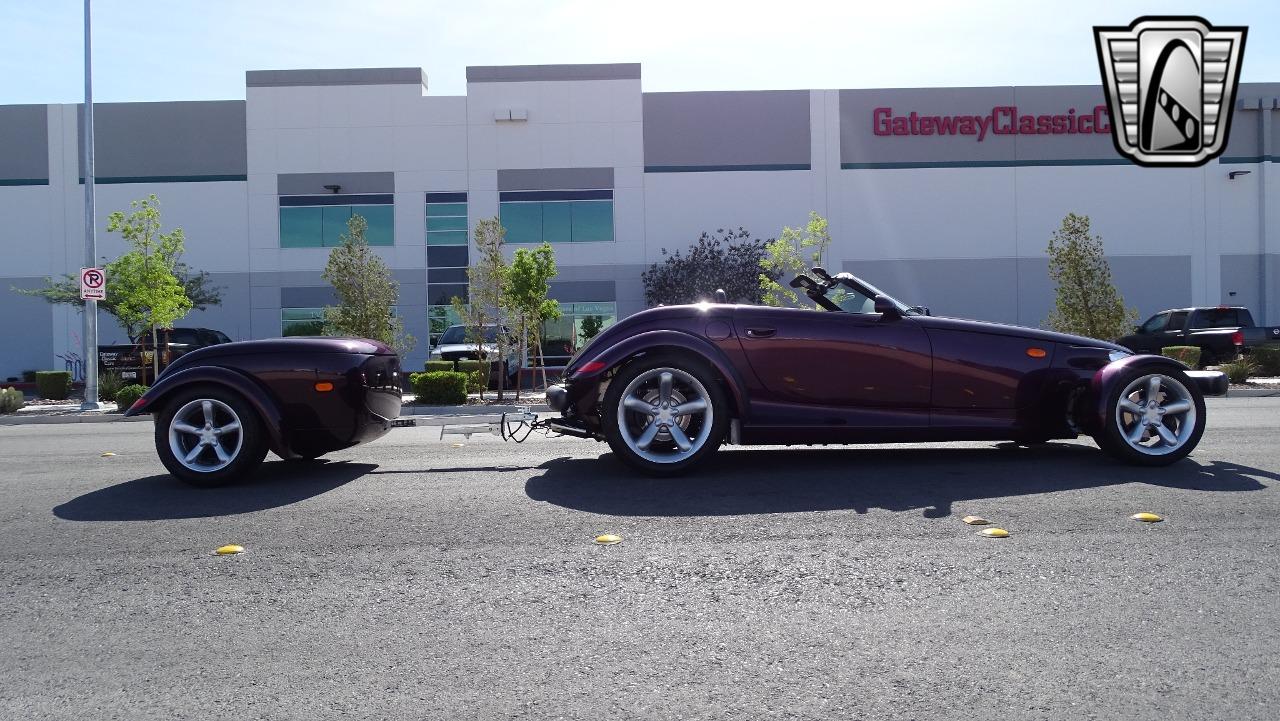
[[244, 453], [1112, 437], [679, 462], [1207, 358]]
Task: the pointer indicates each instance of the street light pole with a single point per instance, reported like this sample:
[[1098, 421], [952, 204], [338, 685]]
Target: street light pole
[[90, 240]]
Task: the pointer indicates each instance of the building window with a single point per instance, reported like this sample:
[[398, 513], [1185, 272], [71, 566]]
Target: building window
[[578, 323], [301, 321], [446, 218], [320, 221], [557, 216]]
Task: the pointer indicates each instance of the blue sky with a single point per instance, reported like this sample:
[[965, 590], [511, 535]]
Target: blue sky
[[189, 50]]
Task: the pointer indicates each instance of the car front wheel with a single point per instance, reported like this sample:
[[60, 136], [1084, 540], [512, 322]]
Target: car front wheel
[[664, 414], [1154, 417], [209, 436]]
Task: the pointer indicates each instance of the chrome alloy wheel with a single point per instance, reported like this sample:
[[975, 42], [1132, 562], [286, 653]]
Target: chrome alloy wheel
[[205, 435], [660, 408], [1156, 415]]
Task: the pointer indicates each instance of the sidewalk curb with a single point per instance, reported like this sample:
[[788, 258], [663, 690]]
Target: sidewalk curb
[[405, 412], [1252, 393], [47, 419]]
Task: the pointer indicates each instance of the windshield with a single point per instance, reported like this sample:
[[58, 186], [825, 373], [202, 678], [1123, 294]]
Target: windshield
[[457, 335], [855, 295]]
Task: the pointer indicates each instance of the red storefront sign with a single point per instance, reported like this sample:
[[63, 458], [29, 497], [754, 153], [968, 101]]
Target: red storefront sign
[[1002, 120]]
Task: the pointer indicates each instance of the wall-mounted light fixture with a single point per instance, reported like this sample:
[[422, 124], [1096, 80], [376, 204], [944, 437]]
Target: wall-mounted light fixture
[[335, 188], [1232, 175]]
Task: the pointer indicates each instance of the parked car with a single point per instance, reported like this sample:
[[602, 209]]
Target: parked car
[[219, 409], [455, 344], [1221, 332], [133, 360], [666, 386]]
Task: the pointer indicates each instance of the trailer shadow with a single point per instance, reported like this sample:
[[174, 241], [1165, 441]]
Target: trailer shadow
[[163, 497], [755, 481]]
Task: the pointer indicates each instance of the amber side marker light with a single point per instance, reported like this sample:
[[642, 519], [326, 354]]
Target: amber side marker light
[[324, 386], [1036, 352]]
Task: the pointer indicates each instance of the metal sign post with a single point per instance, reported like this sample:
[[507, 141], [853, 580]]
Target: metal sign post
[[90, 240]]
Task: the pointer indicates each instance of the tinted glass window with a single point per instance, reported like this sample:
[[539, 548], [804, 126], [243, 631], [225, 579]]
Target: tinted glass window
[[1155, 323], [300, 227], [558, 221], [1217, 318], [184, 335], [592, 220], [1177, 321], [323, 226], [523, 222]]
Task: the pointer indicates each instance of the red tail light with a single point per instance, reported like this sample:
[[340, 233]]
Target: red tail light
[[591, 367], [1238, 337]]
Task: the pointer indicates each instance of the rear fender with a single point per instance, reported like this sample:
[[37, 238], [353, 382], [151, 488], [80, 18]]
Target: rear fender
[[655, 340], [1105, 379], [156, 397]]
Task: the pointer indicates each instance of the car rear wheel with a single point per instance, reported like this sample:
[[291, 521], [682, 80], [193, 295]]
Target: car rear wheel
[[209, 436], [1153, 417], [664, 414]]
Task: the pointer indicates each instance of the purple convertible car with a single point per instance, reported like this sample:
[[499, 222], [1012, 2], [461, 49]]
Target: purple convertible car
[[665, 387]]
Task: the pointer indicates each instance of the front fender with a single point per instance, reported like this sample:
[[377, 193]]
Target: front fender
[[606, 359], [1105, 379], [154, 400]]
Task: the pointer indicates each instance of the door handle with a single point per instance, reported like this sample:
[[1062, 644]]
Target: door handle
[[761, 332]]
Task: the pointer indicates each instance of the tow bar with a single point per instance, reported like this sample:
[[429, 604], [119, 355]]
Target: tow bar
[[511, 426]]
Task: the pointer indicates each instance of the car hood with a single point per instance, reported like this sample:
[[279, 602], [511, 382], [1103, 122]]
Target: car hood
[[982, 326]]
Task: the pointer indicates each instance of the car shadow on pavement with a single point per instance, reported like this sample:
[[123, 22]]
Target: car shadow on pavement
[[163, 497], [752, 481]]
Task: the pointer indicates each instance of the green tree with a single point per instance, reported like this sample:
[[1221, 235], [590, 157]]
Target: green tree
[[366, 291], [197, 285], [793, 252], [1088, 303], [525, 296], [728, 260], [148, 293], [487, 279], [591, 327]]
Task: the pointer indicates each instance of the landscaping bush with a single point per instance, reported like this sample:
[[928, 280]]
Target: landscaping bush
[[440, 388], [477, 381], [1268, 360], [1238, 371], [11, 400], [440, 365], [109, 384], [1187, 354], [129, 395], [53, 385], [28, 376]]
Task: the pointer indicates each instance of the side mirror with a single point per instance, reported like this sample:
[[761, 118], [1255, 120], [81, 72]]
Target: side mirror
[[886, 308], [1137, 329]]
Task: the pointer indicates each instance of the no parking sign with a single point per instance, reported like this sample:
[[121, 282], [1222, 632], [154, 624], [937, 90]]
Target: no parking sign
[[93, 284]]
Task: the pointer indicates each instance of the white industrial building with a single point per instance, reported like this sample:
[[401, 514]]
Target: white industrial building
[[944, 197]]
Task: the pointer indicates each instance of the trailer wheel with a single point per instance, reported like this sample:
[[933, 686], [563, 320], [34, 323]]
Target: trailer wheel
[[209, 436]]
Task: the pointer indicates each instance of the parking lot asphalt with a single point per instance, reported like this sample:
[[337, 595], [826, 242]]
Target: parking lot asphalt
[[455, 579]]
